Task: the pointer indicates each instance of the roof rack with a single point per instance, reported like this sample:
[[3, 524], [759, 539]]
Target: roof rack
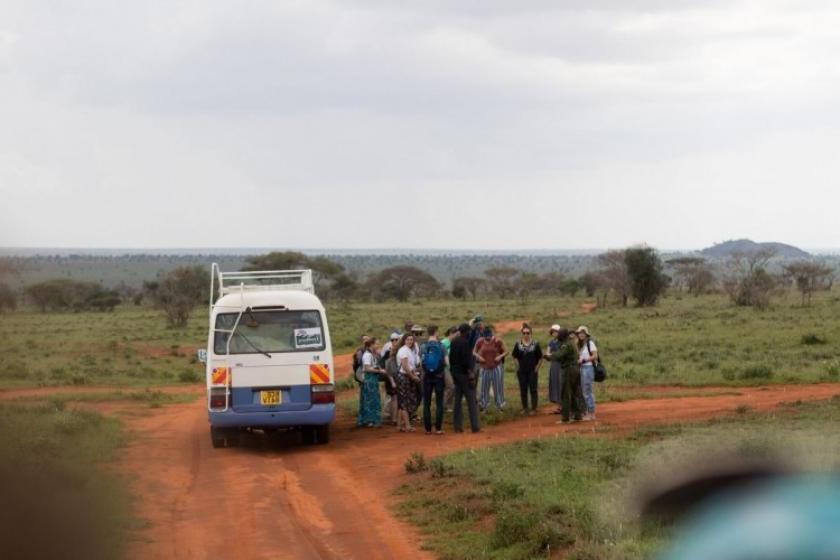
[[260, 280]]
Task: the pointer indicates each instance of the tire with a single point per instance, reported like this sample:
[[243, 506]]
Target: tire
[[217, 437], [322, 434], [307, 434]]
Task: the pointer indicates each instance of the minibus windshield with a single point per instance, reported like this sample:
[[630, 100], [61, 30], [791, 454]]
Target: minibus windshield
[[260, 332]]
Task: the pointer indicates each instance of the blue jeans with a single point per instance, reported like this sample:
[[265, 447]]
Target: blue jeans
[[587, 384]]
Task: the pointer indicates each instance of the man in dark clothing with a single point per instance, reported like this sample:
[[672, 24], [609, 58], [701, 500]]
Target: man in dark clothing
[[433, 358], [460, 363]]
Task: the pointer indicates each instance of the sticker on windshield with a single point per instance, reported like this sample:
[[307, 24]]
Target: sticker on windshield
[[309, 338]]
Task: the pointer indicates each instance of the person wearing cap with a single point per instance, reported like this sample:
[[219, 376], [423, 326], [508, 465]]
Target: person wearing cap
[[588, 356], [566, 356], [463, 375], [388, 363], [489, 352], [417, 331], [386, 348], [555, 371]]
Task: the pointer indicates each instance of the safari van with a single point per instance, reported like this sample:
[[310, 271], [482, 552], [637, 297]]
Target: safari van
[[269, 361]]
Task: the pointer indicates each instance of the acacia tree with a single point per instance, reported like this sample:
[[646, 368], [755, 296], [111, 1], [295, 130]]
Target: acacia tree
[[8, 298], [501, 280], [614, 274], [747, 280], [809, 277], [403, 282], [468, 285], [694, 273], [647, 281], [179, 292], [323, 269]]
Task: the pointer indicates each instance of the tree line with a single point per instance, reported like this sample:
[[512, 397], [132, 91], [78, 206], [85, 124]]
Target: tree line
[[635, 275]]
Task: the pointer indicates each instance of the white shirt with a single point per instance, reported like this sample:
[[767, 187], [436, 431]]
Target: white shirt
[[368, 361], [406, 352], [387, 346], [584, 351]]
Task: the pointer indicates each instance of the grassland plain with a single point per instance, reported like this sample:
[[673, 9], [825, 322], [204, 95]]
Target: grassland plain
[[58, 500], [684, 340], [574, 496]]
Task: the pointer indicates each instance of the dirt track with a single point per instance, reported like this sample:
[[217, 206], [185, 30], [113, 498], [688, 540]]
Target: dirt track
[[273, 498]]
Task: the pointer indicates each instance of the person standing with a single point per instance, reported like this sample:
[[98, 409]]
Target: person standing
[[489, 352], [588, 358], [463, 375], [370, 404], [566, 356], [388, 362], [555, 372], [417, 331], [408, 377], [528, 356], [449, 384], [433, 358]]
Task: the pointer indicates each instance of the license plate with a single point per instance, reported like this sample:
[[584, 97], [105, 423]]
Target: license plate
[[269, 398]]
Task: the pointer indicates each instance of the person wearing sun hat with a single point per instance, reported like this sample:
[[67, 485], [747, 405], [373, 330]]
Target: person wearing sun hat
[[555, 370], [588, 356]]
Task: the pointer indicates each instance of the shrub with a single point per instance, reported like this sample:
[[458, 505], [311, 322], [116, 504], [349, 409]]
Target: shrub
[[64, 294], [416, 463], [8, 298], [757, 372], [188, 376], [811, 340]]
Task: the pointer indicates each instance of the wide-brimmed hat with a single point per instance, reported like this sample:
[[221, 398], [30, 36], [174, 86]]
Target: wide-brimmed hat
[[582, 329], [417, 329], [554, 328], [395, 336], [476, 319]]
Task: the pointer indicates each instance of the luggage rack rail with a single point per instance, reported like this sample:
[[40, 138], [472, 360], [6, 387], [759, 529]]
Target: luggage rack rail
[[260, 280]]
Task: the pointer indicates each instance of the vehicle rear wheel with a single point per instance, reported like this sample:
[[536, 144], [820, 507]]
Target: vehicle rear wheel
[[307, 434], [217, 436], [322, 433]]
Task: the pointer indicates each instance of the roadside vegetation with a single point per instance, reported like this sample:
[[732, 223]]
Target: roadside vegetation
[[575, 496], [684, 340], [62, 501]]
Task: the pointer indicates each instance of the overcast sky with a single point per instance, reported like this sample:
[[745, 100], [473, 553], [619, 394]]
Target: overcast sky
[[436, 124]]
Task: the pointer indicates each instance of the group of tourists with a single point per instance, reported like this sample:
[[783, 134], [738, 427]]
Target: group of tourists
[[467, 363]]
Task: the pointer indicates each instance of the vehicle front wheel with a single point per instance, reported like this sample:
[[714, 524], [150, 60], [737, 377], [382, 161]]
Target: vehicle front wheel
[[322, 434]]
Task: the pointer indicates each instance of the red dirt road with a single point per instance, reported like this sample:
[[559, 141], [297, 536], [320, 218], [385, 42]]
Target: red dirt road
[[274, 498]]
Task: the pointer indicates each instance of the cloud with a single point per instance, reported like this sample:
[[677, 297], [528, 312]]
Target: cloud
[[440, 115]]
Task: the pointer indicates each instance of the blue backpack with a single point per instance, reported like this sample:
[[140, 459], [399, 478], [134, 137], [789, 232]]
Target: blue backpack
[[433, 357]]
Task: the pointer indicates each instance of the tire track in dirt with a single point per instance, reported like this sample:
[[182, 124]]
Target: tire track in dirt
[[273, 498]]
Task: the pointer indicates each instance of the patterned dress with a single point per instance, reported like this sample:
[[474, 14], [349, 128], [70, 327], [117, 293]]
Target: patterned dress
[[370, 403]]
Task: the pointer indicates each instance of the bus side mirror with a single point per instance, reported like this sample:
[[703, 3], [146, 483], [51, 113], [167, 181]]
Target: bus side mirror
[[202, 355]]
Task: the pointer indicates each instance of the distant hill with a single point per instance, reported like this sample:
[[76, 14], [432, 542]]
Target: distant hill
[[727, 248]]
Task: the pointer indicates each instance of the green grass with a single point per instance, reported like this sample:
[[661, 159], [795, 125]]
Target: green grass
[[59, 501], [683, 341], [154, 397], [574, 493]]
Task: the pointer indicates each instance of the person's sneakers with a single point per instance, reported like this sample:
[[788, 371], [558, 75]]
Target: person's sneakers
[[588, 417], [564, 421], [439, 432]]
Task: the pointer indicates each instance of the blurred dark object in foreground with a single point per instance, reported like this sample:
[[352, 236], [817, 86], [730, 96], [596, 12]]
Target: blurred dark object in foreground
[[750, 510]]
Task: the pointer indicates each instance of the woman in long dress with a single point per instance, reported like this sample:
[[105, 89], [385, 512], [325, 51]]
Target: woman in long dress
[[370, 403], [555, 372]]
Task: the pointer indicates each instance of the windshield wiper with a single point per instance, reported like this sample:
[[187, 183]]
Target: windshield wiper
[[246, 339], [251, 344]]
